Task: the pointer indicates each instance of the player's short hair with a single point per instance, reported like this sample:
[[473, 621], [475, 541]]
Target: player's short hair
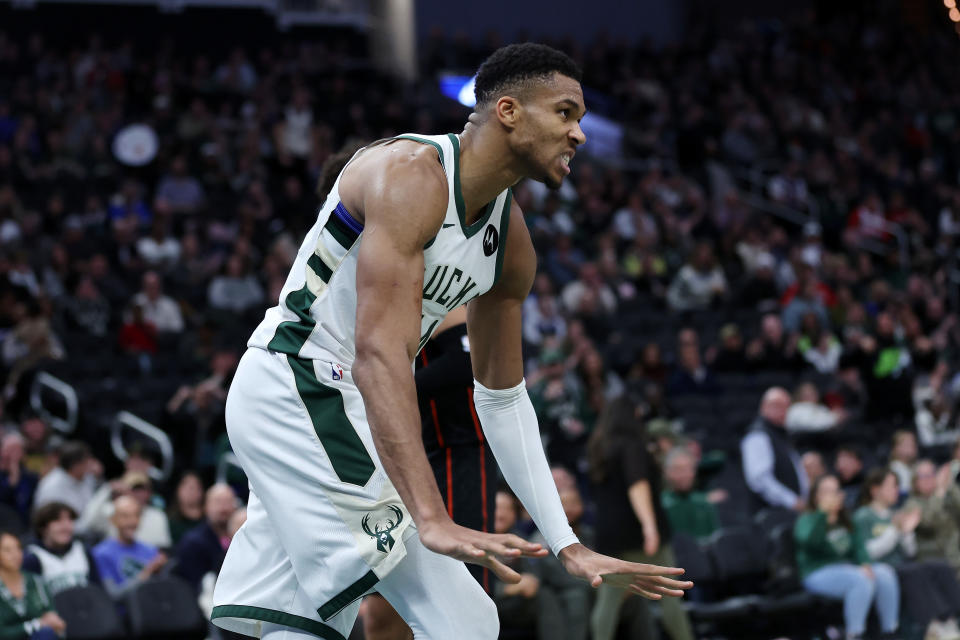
[[509, 69]]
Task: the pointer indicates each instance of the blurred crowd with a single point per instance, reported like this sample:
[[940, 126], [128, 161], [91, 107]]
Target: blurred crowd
[[773, 272]]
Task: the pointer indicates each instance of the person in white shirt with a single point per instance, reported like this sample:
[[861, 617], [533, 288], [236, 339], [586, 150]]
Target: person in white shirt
[[74, 481], [806, 414], [158, 309]]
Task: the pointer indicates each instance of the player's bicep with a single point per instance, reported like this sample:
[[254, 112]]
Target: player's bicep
[[398, 221], [495, 319]]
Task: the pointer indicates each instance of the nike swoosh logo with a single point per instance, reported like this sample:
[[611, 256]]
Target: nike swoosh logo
[[446, 224]]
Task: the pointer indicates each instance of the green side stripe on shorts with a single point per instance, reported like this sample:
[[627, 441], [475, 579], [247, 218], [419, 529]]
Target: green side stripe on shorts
[[348, 595], [348, 456], [276, 617]]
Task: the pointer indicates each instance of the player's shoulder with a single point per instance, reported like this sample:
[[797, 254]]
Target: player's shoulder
[[400, 164]]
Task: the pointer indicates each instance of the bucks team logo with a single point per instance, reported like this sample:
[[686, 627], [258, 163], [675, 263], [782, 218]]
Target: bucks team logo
[[491, 238], [382, 527]]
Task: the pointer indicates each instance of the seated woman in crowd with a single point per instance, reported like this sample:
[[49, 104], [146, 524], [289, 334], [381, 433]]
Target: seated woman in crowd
[[833, 562], [59, 558], [26, 610], [931, 594], [186, 511], [938, 498]]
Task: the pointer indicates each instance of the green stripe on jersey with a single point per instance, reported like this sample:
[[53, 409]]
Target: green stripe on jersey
[[348, 456], [504, 228], [320, 268]]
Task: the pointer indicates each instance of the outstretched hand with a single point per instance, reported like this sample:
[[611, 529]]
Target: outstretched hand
[[485, 549], [647, 580]]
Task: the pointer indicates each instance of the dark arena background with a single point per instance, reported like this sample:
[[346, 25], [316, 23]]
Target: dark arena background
[[756, 253]]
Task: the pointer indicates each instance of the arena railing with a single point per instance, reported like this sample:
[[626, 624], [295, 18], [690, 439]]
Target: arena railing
[[43, 380], [125, 419]]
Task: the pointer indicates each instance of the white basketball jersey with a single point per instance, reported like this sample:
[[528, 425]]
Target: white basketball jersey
[[63, 572], [316, 316]]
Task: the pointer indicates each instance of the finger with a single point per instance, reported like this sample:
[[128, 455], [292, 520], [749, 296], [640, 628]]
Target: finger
[[501, 570], [656, 570], [496, 548], [517, 542], [660, 581], [471, 551], [649, 595]]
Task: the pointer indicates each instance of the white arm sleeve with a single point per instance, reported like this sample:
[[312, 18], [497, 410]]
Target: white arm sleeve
[[510, 427]]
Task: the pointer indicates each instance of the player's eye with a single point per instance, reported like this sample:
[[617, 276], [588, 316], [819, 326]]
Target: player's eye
[[565, 113]]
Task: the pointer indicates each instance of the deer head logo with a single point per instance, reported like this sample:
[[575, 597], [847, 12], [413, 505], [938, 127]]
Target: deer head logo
[[382, 528]]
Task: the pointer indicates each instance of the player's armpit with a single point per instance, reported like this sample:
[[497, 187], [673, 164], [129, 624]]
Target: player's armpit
[[494, 320]]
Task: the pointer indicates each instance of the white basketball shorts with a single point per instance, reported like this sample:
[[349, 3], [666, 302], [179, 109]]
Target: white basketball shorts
[[324, 523]]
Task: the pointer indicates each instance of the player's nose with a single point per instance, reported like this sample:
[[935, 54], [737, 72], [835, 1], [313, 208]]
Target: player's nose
[[577, 136]]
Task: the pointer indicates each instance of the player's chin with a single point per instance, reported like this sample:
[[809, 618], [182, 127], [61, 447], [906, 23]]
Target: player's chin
[[552, 179]]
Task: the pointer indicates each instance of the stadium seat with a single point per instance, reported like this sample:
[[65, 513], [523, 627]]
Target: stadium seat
[[89, 613], [768, 520], [165, 607]]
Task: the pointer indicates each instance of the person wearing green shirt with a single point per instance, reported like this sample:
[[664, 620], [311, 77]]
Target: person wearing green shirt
[[26, 611], [833, 562], [687, 510], [931, 592]]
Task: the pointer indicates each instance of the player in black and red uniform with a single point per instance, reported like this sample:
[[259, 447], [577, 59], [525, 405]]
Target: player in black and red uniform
[[463, 465]]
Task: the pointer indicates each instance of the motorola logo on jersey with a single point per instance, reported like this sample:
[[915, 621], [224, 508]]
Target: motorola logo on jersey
[[491, 238]]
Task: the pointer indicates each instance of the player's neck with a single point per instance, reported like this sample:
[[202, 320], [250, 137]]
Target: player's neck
[[483, 170]]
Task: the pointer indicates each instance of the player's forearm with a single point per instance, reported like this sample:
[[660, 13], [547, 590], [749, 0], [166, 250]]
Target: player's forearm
[[389, 396]]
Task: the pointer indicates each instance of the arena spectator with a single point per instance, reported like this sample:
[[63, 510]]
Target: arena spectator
[[938, 499], [124, 562], [931, 594], [159, 250], [903, 457], [563, 602], [61, 559], [833, 562], [17, 484], [806, 413], [691, 375], [159, 310], [180, 191], [236, 289], [631, 522], [589, 283], [97, 518], [689, 511], [202, 549], [73, 481], [848, 467], [516, 603], [730, 356], [699, 284], [772, 351], [771, 466], [186, 509], [813, 466], [561, 405], [26, 609]]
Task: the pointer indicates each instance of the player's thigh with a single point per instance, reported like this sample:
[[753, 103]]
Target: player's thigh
[[438, 597], [381, 621]]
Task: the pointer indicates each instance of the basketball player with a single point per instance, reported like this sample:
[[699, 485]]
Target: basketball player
[[322, 412]]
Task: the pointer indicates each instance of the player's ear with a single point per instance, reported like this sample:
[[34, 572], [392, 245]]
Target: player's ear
[[507, 110]]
